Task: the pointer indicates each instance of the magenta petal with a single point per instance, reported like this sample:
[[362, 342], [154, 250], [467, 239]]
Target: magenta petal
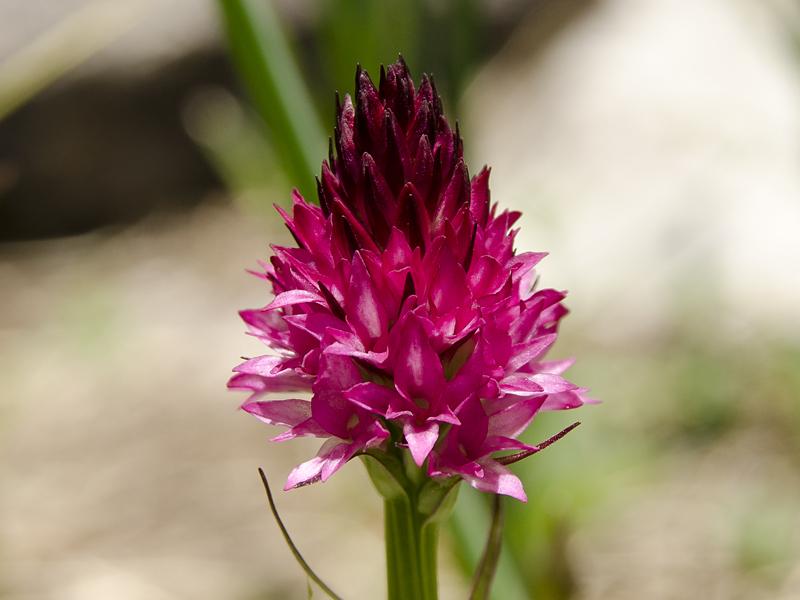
[[398, 252], [520, 384], [487, 276], [337, 373], [398, 413], [310, 226], [479, 197], [280, 412], [266, 374], [513, 420], [349, 344], [336, 459], [553, 384], [557, 367], [445, 415], [375, 358], [304, 474], [316, 324], [245, 382], [530, 319], [329, 407], [346, 339], [563, 401], [499, 443], [372, 435], [417, 368], [331, 456], [421, 439], [332, 412], [468, 469], [522, 354], [449, 288], [498, 479], [524, 262], [372, 397], [522, 267], [309, 427], [264, 366], [292, 297], [365, 312], [266, 325]]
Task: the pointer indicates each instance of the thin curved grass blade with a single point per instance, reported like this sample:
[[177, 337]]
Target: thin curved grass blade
[[298, 557]]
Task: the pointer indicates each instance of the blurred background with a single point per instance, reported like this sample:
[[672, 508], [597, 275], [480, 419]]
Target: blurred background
[[654, 149]]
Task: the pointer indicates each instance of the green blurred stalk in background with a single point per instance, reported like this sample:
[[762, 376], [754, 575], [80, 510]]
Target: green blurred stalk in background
[[263, 57]]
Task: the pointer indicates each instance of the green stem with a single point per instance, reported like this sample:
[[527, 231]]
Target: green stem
[[414, 507], [410, 551]]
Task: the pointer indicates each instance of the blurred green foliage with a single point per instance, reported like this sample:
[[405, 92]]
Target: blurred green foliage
[[660, 400], [263, 57], [447, 39]]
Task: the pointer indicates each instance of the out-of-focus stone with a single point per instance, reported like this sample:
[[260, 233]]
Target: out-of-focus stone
[[653, 149]]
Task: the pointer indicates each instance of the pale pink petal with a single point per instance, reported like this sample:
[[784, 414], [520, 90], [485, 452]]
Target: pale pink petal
[[553, 384], [563, 401], [557, 367], [421, 439], [499, 443], [270, 381], [309, 427], [498, 479], [292, 297], [520, 384], [524, 262], [349, 344], [267, 326], [280, 412], [372, 397], [336, 459], [305, 473], [513, 420], [524, 353], [265, 366], [328, 459]]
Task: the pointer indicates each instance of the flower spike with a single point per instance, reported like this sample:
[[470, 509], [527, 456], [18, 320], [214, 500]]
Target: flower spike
[[404, 308]]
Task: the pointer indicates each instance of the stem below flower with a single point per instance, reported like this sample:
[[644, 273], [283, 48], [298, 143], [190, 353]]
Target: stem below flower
[[410, 551], [414, 505]]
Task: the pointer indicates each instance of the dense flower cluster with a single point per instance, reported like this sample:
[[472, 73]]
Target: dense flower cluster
[[404, 308]]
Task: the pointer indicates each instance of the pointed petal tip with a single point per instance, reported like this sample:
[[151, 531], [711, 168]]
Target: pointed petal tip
[[421, 440]]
